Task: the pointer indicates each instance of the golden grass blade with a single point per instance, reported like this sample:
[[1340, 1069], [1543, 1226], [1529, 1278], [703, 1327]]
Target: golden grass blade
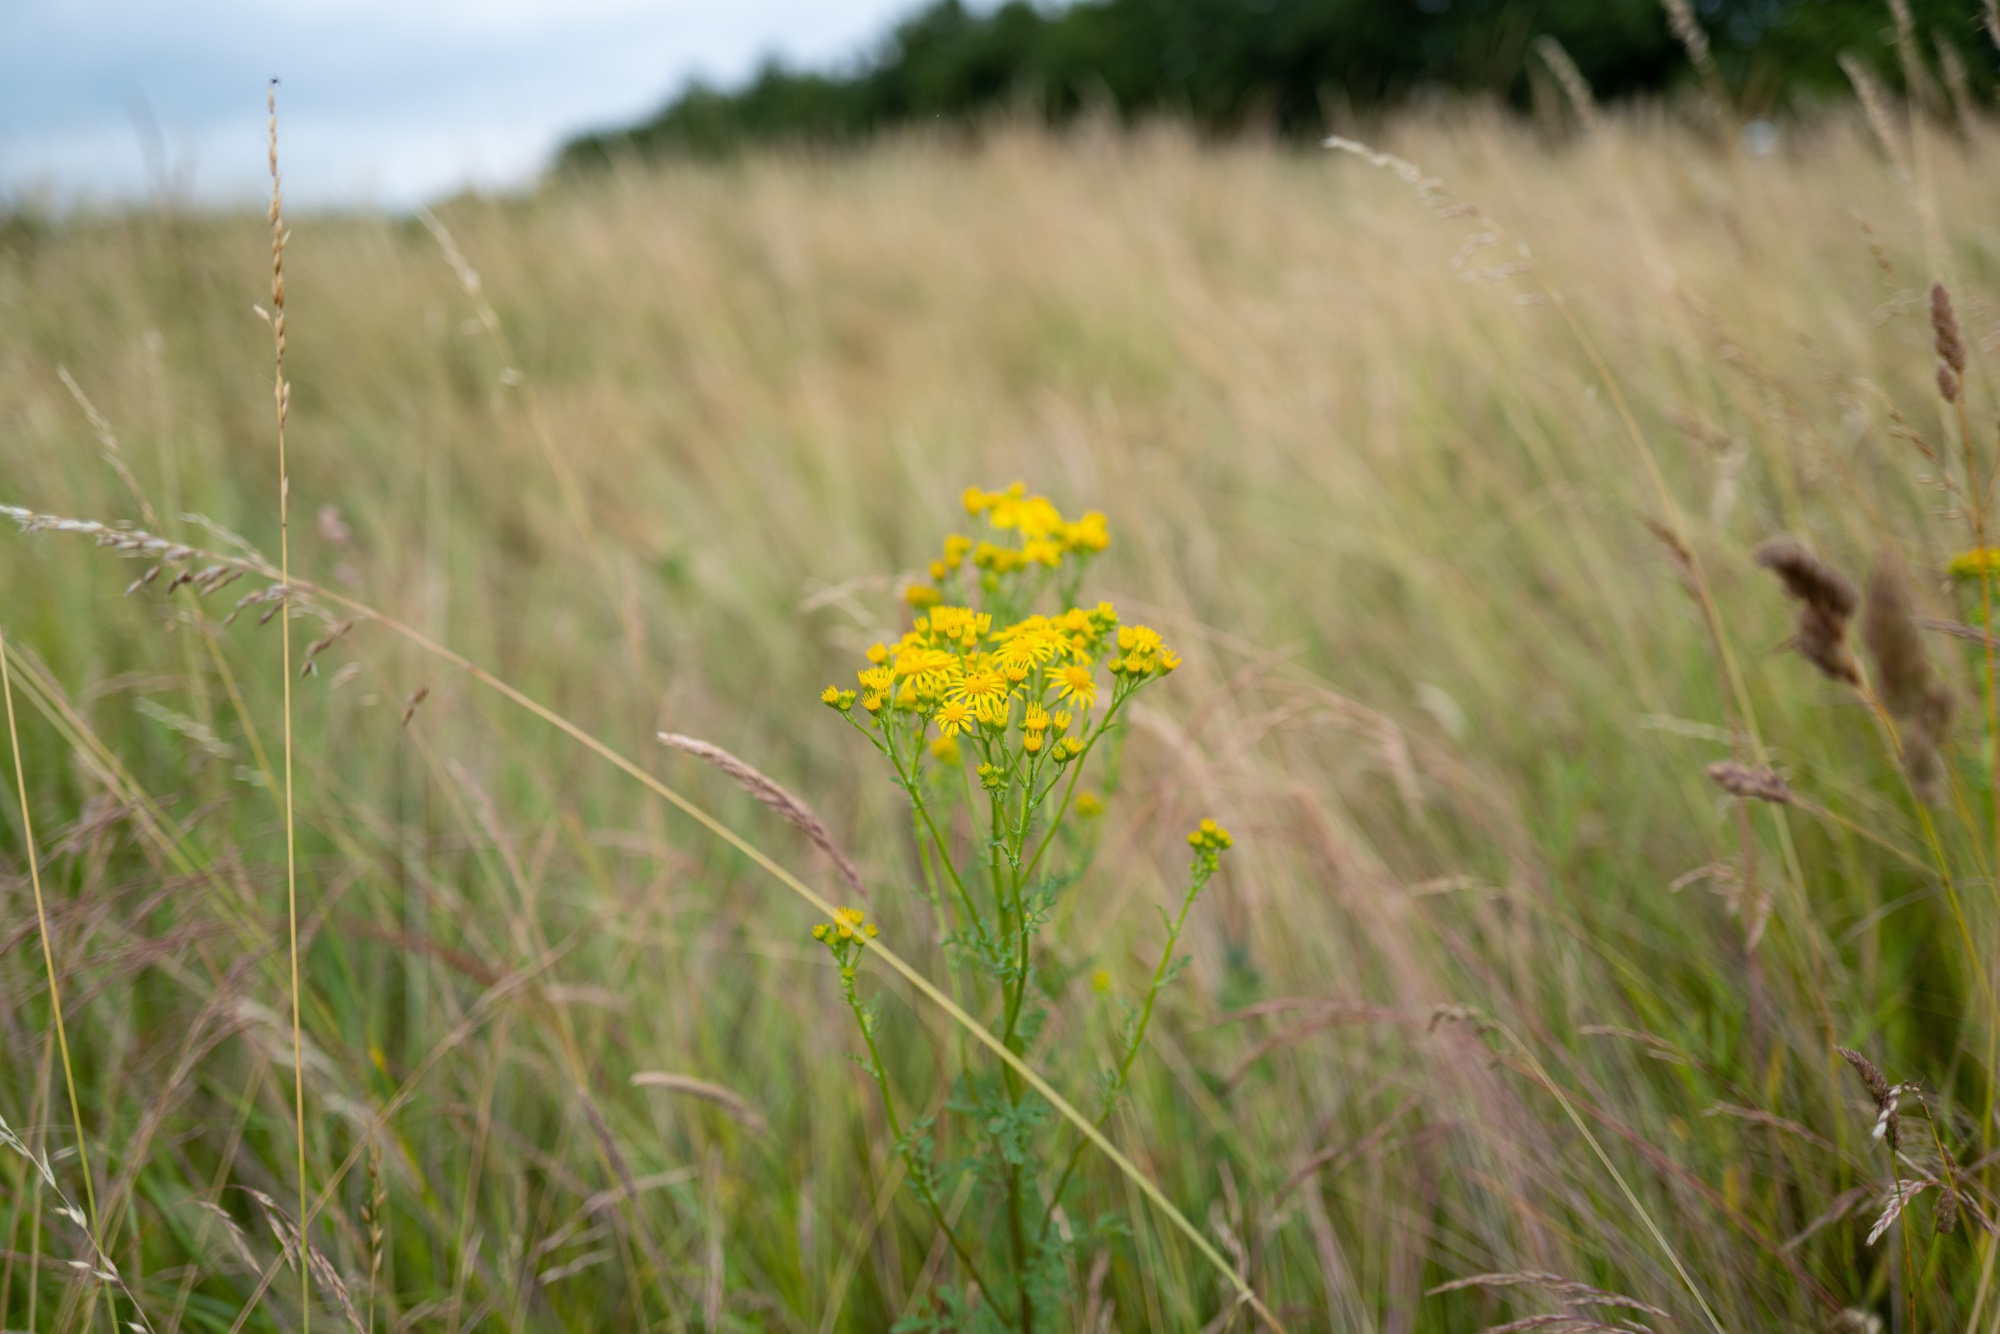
[[282, 393], [48, 952]]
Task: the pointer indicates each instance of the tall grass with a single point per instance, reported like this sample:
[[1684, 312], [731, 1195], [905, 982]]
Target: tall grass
[[1497, 982]]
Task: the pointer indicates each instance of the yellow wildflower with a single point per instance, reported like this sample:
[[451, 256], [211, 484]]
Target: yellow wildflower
[[981, 686], [956, 548], [1100, 981], [922, 595], [1043, 551], [1089, 805], [878, 654], [1087, 534], [1032, 743], [1036, 719], [1973, 564], [953, 717], [945, 750], [1075, 681]]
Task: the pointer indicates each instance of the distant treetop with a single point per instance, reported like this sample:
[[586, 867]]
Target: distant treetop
[[1286, 65]]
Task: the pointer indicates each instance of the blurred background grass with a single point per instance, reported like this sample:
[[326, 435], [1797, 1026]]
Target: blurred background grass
[[1447, 689]]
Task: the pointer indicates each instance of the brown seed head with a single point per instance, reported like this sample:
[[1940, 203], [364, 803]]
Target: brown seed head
[[1889, 629], [1741, 780], [1944, 329], [1829, 602], [1878, 1088]]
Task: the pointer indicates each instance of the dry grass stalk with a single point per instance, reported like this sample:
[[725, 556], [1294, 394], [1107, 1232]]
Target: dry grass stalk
[[777, 798], [1875, 106], [739, 1107], [1751, 783], [1829, 602], [1689, 33], [282, 396], [1772, 1121], [291, 1242], [1575, 87], [1921, 703], [1563, 1289], [417, 697], [1957, 83], [1916, 78]]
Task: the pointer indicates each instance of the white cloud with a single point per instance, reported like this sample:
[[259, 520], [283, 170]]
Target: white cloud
[[383, 101]]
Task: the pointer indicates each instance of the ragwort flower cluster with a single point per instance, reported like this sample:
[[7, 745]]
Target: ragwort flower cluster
[[1027, 692], [988, 704]]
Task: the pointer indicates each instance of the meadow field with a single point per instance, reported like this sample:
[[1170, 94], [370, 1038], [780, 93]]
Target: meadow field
[[1450, 489]]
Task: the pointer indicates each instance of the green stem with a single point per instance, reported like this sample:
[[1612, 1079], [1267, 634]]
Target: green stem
[[917, 1178], [1196, 883]]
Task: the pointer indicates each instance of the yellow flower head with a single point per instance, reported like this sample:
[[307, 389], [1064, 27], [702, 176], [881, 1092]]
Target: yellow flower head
[[1036, 719], [1075, 681], [1032, 743], [922, 595], [953, 717], [1030, 643], [956, 548], [983, 685], [945, 749], [1100, 981], [1137, 639], [1089, 805], [1043, 551], [876, 680], [878, 654], [1087, 534]]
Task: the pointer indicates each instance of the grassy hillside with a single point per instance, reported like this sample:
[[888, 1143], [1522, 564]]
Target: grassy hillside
[[1495, 978]]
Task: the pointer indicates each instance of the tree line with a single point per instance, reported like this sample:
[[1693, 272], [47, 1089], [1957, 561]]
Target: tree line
[[1296, 67]]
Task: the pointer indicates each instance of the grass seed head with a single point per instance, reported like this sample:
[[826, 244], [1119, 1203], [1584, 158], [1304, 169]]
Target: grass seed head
[[1829, 602], [1751, 784], [1887, 1118]]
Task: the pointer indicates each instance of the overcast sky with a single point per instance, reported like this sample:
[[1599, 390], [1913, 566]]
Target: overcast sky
[[382, 102]]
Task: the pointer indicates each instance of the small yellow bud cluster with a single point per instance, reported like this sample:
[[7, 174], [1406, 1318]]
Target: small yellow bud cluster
[[840, 701], [846, 935], [1141, 654], [847, 924], [1046, 539], [1209, 841]]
